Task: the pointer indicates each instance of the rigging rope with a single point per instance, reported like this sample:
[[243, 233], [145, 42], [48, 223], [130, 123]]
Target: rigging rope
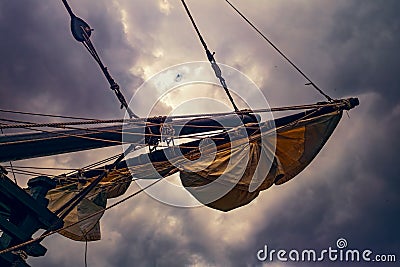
[[43, 114], [31, 173], [22, 124], [49, 233], [210, 57], [62, 125], [11, 165], [61, 135], [86, 251], [343, 104], [81, 32], [65, 209], [310, 82], [45, 168], [95, 164], [340, 102], [91, 131]]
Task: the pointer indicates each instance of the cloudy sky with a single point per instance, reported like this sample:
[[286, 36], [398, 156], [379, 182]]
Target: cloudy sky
[[348, 47]]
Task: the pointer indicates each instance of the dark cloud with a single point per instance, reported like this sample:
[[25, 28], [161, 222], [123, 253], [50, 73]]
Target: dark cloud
[[355, 198], [351, 190], [43, 69], [363, 44]]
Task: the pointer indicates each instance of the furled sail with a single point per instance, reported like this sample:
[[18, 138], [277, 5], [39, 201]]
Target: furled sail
[[115, 184], [298, 138], [296, 146]]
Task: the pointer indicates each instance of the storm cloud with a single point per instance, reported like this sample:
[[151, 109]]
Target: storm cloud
[[349, 48]]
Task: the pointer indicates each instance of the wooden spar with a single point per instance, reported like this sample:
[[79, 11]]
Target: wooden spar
[[34, 145], [160, 155], [22, 214]]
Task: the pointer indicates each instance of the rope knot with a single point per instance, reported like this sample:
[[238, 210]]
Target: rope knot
[[3, 171], [114, 87]]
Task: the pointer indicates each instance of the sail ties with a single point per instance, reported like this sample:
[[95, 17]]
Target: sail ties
[[210, 57], [65, 209], [156, 131]]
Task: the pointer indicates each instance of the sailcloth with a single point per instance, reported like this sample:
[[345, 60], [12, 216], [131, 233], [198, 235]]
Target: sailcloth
[[296, 146], [225, 174]]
